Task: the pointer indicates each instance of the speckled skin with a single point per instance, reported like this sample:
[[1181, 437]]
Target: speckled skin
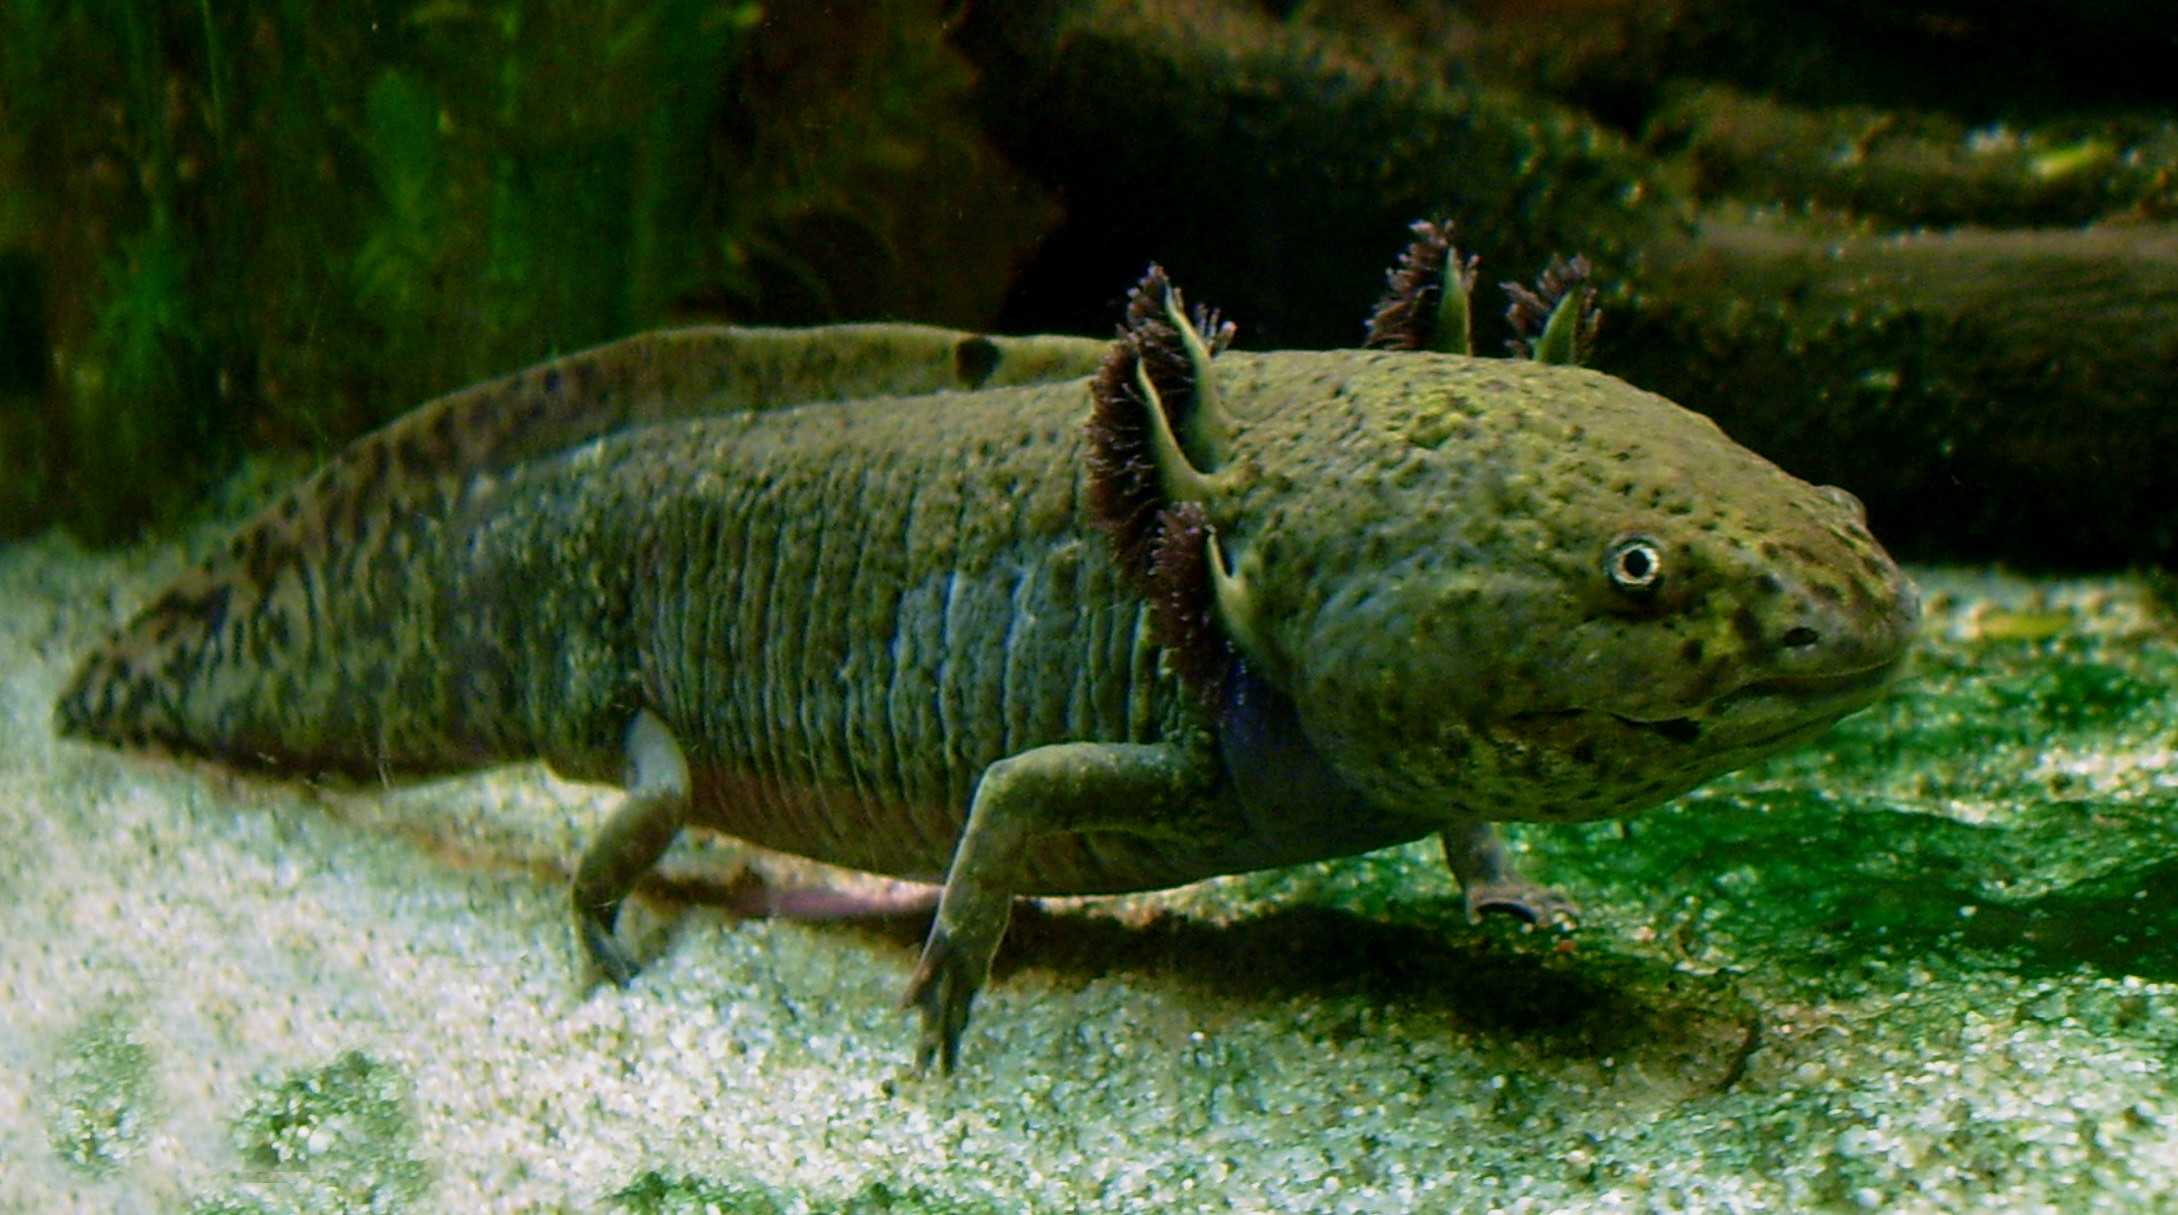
[[882, 633], [1437, 605]]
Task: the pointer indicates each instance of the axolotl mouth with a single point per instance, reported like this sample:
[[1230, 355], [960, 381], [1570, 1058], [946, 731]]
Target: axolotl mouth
[[1772, 712], [1594, 763]]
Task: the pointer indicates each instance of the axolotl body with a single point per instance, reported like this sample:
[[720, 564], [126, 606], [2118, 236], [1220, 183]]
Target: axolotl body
[[1201, 612]]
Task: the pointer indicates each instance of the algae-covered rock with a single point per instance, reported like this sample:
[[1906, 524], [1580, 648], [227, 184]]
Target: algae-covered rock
[[1753, 177], [1278, 159], [331, 1139], [101, 1086], [1987, 392]]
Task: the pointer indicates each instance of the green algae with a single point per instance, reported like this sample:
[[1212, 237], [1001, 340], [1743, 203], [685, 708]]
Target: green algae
[[326, 1141], [2011, 808], [266, 226], [655, 1193], [100, 1090]]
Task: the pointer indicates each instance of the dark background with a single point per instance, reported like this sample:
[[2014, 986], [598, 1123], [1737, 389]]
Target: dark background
[[1925, 251]]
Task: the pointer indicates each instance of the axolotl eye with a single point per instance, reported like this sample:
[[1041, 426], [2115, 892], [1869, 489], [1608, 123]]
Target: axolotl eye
[[1635, 565]]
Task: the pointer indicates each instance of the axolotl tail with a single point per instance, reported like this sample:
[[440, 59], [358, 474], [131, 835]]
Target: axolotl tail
[[335, 653], [352, 627], [312, 641]]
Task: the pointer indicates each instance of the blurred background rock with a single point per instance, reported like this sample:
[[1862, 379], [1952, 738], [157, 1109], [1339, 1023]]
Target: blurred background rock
[[1924, 250]]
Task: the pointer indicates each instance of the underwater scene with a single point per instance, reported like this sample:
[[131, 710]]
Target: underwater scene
[[964, 607]]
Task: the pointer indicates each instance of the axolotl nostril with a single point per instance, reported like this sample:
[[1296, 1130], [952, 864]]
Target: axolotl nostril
[[1036, 616]]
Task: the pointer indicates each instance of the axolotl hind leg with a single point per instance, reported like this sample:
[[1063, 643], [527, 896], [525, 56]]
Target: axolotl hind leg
[[634, 837], [1147, 790]]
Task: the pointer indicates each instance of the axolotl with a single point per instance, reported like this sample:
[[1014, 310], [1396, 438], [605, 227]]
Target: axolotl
[[1034, 616]]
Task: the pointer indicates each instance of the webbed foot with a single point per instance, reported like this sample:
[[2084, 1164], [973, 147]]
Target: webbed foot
[[1540, 905], [608, 960], [1488, 881], [944, 986]]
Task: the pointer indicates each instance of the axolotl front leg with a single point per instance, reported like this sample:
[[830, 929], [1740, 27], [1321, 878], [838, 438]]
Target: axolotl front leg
[[1158, 792], [1148, 790]]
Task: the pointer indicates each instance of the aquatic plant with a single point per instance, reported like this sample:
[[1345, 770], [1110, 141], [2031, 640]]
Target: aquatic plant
[[276, 225]]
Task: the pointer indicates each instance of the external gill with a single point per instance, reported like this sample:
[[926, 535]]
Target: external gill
[[1202, 438], [1159, 467], [1557, 318], [1177, 475], [1425, 305], [1426, 296]]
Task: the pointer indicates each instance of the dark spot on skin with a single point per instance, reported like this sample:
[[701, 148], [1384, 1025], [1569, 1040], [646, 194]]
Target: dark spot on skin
[[585, 375], [1865, 603], [259, 563], [1826, 592], [974, 359], [1800, 636], [1691, 651], [439, 432], [1678, 730], [1769, 584], [552, 381], [370, 468], [1745, 624], [409, 457]]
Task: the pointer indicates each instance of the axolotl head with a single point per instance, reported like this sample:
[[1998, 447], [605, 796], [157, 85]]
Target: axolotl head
[[1514, 590], [1518, 590]]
